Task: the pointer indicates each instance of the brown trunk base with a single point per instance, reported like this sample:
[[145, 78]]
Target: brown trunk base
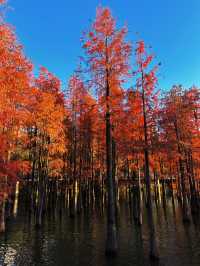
[[2, 227], [2, 218], [154, 257], [111, 242]]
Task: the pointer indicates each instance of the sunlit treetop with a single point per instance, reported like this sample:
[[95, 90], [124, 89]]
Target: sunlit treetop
[[104, 22], [107, 50]]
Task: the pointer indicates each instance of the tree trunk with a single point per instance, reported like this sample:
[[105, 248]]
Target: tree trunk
[[153, 244], [2, 217], [111, 241], [182, 175]]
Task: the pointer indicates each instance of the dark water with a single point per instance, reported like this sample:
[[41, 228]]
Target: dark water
[[80, 241]]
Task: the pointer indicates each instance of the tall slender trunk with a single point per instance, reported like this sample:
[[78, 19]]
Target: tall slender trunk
[[182, 175], [114, 173], [139, 197], [111, 241], [185, 202], [2, 217], [153, 244], [190, 172]]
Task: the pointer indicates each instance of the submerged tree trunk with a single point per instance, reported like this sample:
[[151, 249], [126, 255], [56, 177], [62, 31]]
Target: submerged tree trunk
[[185, 208], [186, 218], [193, 192], [137, 201], [2, 217], [153, 244], [40, 207], [111, 241]]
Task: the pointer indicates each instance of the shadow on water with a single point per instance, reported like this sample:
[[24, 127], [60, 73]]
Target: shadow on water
[[79, 241]]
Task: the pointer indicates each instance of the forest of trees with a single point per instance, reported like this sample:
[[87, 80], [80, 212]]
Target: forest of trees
[[111, 127]]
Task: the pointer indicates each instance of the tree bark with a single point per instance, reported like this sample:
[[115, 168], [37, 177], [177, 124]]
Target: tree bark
[[2, 217], [153, 244], [111, 241]]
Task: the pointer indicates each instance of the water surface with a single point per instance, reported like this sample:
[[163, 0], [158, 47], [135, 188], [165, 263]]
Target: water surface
[[79, 241]]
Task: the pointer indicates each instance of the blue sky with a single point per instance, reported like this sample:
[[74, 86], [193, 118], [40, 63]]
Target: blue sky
[[50, 32]]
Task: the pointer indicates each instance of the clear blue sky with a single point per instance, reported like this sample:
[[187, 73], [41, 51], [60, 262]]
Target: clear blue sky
[[50, 32]]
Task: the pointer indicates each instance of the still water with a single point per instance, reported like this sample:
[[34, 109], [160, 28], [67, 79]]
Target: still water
[[79, 241]]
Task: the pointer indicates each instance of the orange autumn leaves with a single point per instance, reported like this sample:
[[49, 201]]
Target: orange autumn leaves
[[46, 120], [108, 56], [25, 103], [39, 123], [107, 50], [15, 71]]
